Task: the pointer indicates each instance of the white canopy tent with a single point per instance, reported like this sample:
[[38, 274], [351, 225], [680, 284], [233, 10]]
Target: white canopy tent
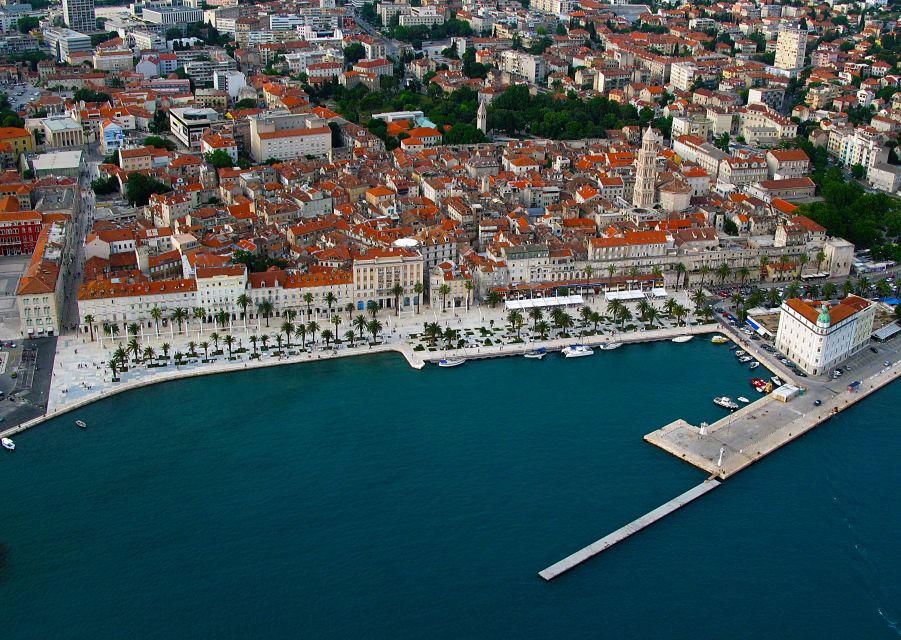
[[542, 303], [625, 296], [658, 292]]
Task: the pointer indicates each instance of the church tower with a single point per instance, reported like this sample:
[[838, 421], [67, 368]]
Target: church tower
[[646, 172], [482, 118]]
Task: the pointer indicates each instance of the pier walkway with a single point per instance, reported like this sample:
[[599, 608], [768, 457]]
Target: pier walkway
[[633, 527]]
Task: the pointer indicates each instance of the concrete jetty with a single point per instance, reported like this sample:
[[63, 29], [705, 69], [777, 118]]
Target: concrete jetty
[[630, 529]]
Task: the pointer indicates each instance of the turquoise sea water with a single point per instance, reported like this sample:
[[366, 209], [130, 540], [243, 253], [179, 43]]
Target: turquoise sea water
[[361, 498]]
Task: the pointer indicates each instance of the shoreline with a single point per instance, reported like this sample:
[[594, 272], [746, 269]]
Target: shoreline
[[415, 359]]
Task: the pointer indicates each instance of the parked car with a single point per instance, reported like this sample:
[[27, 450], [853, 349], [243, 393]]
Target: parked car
[[874, 349]]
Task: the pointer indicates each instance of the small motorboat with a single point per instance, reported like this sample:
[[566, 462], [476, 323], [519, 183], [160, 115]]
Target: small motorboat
[[757, 382], [576, 351], [7, 443], [451, 362], [681, 339], [745, 359], [733, 347], [718, 339], [725, 402], [536, 354], [739, 353], [777, 381], [610, 346], [743, 399], [754, 365], [81, 424]]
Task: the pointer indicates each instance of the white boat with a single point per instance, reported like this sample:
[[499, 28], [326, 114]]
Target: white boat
[[81, 424], [681, 339], [7, 444], [754, 365], [451, 362], [718, 339], [610, 346], [726, 402], [536, 354], [743, 399], [745, 359], [739, 353], [576, 351]]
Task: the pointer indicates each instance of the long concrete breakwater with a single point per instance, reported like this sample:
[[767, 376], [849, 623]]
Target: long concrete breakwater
[[580, 556]]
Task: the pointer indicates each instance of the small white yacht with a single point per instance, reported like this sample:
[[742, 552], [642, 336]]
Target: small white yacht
[[610, 346], [536, 354], [739, 353], [726, 402], [743, 399], [754, 365], [81, 424], [745, 359], [681, 339], [451, 362], [7, 444], [576, 351]]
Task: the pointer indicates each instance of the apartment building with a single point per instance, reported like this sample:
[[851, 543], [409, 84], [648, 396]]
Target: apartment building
[[288, 136]]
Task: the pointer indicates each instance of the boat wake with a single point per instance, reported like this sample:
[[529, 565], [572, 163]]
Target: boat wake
[[892, 624]]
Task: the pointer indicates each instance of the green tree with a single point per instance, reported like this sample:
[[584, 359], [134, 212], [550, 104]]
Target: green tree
[[139, 188], [354, 52], [219, 159], [160, 143], [28, 23]]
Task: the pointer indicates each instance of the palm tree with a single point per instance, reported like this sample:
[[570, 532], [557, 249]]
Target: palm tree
[[624, 316], [589, 271], [611, 270], [156, 313], [199, 314], [289, 315], [813, 291], [443, 291], [670, 306], [349, 307], [595, 320], [222, 317], [253, 340], [418, 289], [265, 339], [265, 309], [192, 348], [165, 347], [330, 299], [707, 314], [336, 320], [633, 273], [737, 299], [149, 352], [215, 338], [847, 287], [288, 330], [535, 314], [360, 323], [243, 302], [585, 314], [680, 312], [614, 307], [515, 319], [862, 286], [723, 271], [229, 342], [681, 273], [829, 290], [372, 307], [431, 330], [178, 316], [114, 329], [803, 259], [301, 330], [643, 307], [350, 336], [652, 315], [704, 269], [764, 262], [542, 328], [121, 356], [313, 327], [744, 273], [374, 327], [773, 298], [821, 257], [493, 298], [135, 347], [883, 288], [89, 320], [792, 290], [327, 335], [133, 328], [206, 349], [113, 365], [564, 320], [699, 298], [397, 291], [469, 287], [308, 299]]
